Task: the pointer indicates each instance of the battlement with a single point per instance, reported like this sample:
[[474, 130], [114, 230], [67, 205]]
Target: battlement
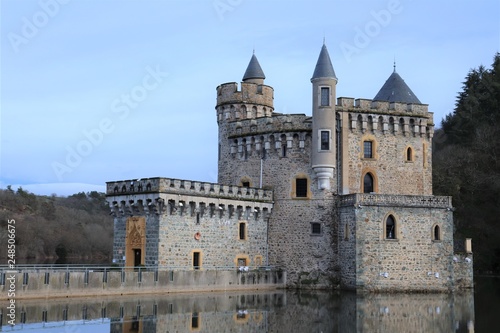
[[358, 200], [186, 187], [278, 123], [368, 105], [250, 93]]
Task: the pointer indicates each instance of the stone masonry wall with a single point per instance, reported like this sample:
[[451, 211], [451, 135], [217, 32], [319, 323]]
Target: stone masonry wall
[[391, 136], [411, 261], [178, 210]]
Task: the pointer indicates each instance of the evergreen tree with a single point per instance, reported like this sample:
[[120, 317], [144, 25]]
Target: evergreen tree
[[466, 163]]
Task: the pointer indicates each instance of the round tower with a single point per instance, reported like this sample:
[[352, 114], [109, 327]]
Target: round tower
[[324, 84], [240, 111]]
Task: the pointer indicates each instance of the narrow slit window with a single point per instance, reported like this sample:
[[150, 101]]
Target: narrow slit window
[[196, 260], [242, 231]]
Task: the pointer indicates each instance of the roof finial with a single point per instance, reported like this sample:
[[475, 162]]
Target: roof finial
[[394, 64]]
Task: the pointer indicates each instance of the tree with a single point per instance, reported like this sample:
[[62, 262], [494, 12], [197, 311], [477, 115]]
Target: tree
[[466, 163]]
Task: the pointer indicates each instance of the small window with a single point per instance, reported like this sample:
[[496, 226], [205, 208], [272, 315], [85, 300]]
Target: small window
[[409, 155], [325, 96], [196, 260], [242, 231], [346, 232], [301, 187], [242, 262], [390, 228], [195, 320], [368, 183], [316, 228], [368, 149], [245, 184], [437, 233], [283, 150], [325, 140]]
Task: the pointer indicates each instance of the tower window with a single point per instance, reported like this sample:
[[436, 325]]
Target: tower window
[[316, 228], [409, 154], [242, 234], [368, 183], [437, 234], [196, 260], [325, 140], [301, 187], [368, 149], [390, 228], [325, 96]]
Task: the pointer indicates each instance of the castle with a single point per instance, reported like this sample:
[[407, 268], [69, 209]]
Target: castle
[[342, 198]]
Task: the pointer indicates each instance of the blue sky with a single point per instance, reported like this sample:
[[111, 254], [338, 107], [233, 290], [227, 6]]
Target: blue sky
[[95, 91]]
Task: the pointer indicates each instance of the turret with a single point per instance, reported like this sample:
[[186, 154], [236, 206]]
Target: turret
[[324, 84]]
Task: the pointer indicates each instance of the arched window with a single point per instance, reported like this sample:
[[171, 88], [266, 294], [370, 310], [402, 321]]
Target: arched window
[[409, 154], [436, 233], [368, 183], [390, 228]]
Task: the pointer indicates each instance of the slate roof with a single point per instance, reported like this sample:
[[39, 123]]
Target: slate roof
[[254, 71], [324, 66], [396, 90]]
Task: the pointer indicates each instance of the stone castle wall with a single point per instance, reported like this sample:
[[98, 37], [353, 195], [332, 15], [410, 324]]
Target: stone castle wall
[[183, 217], [393, 128], [414, 260]]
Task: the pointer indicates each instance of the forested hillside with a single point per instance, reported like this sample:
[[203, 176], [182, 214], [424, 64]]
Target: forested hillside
[[466, 164], [74, 229]]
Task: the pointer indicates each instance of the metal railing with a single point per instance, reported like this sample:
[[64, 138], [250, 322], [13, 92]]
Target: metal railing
[[108, 268]]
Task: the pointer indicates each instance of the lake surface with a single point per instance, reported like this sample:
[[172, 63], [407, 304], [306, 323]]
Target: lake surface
[[276, 311]]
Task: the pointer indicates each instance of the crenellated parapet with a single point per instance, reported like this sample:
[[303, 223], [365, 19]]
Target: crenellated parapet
[[180, 197], [388, 118], [358, 200], [270, 134], [250, 102]]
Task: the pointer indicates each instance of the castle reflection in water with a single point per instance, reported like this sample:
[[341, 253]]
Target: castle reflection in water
[[278, 311]]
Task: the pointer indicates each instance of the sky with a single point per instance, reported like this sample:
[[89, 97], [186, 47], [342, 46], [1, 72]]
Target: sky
[[104, 90]]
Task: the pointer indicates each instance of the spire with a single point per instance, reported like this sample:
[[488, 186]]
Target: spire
[[396, 90], [324, 66], [254, 71]]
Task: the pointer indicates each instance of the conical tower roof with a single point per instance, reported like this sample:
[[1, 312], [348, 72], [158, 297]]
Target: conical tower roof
[[396, 90], [324, 66], [254, 71]]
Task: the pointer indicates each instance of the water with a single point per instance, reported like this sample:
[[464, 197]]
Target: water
[[276, 311]]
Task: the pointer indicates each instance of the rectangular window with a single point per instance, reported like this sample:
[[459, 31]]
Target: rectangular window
[[195, 320], [316, 228], [196, 260], [245, 184], [242, 262], [325, 96], [367, 149], [325, 140], [301, 187], [242, 231]]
